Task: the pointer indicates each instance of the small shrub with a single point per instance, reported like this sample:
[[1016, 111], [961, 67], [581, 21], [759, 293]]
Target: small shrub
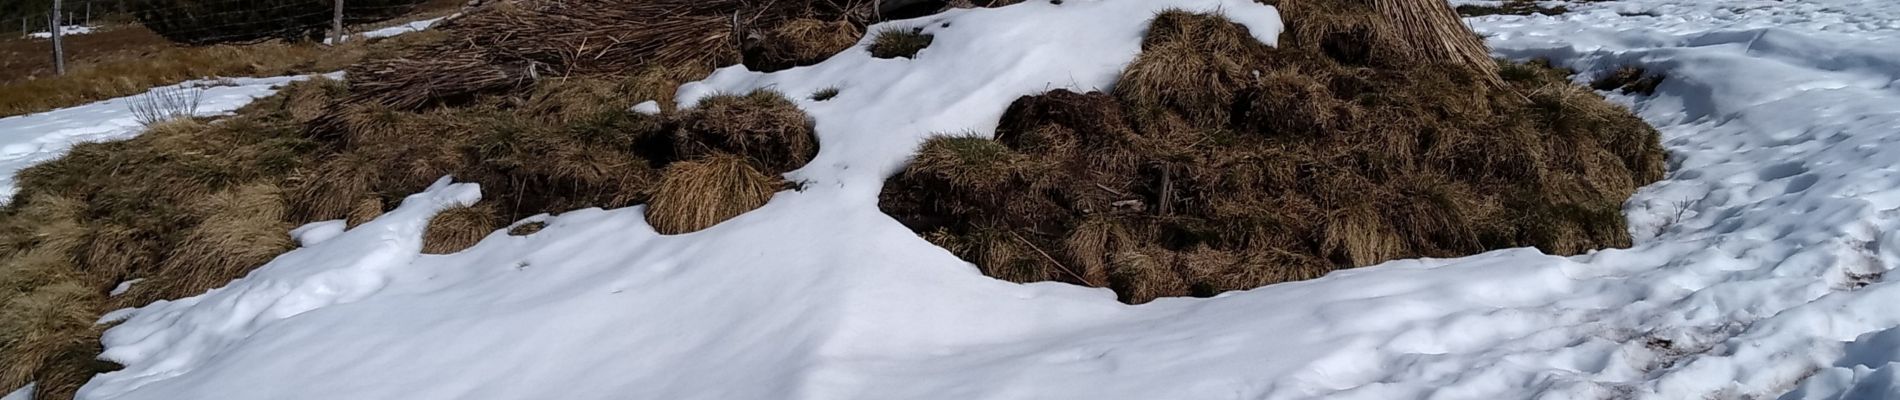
[[457, 229], [898, 42], [166, 104], [800, 42], [762, 126]]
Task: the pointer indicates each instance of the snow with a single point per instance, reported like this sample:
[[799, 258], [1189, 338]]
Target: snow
[[1758, 270], [26, 140], [122, 287], [412, 26], [24, 393], [68, 30], [648, 107], [316, 232]]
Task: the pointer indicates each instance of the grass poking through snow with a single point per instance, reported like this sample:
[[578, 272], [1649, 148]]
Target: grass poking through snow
[[898, 42]]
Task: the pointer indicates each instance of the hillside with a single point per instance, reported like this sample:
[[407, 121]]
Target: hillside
[[711, 242]]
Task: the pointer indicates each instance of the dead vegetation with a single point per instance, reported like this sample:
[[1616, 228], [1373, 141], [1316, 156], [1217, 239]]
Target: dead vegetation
[[894, 43], [800, 42], [1219, 163], [190, 205], [1629, 80], [1511, 7], [698, 194], [508, 46]]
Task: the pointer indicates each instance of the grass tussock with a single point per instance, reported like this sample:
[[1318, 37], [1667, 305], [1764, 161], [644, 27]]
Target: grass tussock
[[894, 43], [763, 127], [526, 229], [799, 42], [1199, 175], [700, 193], [459, 228]]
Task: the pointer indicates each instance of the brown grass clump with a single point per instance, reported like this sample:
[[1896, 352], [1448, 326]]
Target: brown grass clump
[[894, 43], [763, 127], [458, 229], [800, 42], [698, 194], [1200, 175], [1357, 32]]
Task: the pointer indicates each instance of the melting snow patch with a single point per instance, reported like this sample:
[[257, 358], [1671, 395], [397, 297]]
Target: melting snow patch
[[413, 26], [68, 30], [26, 140], [648, 107]]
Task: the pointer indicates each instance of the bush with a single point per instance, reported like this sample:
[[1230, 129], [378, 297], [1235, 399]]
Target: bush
[[166, 104], [202, 22]]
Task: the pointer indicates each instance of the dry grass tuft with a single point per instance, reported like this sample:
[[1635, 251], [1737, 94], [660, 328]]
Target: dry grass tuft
[[458, 229], [1200, 175], [800, 42], [698, 194], [762, 127], [894, 43]]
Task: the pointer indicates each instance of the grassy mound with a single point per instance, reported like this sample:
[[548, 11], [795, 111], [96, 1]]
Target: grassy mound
[[190, 205], [1221, 164]]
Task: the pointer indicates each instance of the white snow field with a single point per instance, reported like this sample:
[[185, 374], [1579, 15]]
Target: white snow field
[[1758, 268], [26, 140]]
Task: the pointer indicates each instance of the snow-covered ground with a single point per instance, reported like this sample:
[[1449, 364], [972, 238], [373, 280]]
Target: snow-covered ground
[[68, 30], [1758, 270], [31, 139], [412, 26]]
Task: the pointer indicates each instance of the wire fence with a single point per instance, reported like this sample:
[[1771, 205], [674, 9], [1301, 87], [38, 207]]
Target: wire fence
[[197, 22], [90, 31]]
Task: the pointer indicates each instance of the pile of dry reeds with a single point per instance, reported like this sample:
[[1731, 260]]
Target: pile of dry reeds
[[1220, 164]]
